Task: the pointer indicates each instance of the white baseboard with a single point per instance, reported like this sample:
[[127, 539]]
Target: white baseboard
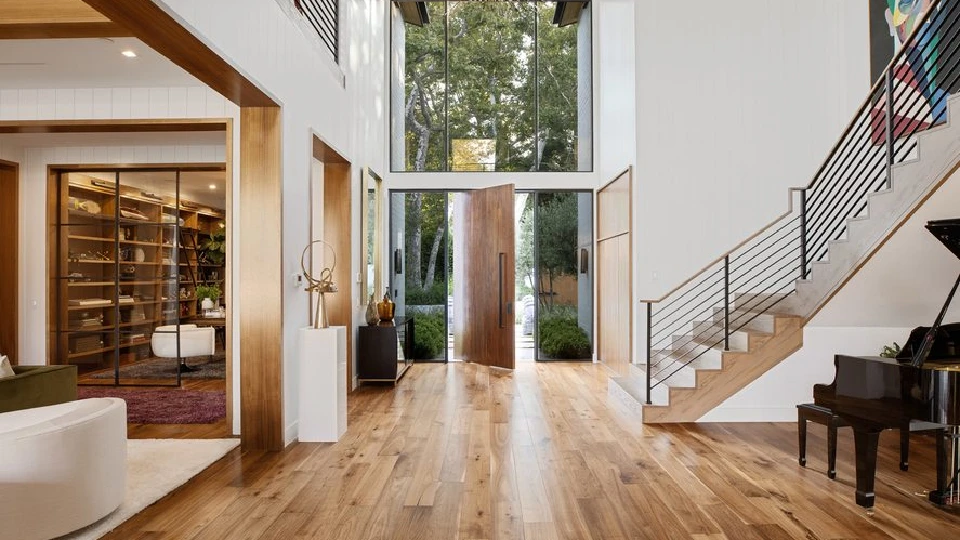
[[751, 414], [292, 434]]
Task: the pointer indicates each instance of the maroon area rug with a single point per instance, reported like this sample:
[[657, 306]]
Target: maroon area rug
[[151, 406]]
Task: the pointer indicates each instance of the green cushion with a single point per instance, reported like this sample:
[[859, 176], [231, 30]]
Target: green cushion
[[38, 386]]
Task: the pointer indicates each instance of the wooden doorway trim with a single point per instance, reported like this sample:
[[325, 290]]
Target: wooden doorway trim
[[9, 261], [337, 185], [261, 281], [148, 125], [259, 238], [614, 273]]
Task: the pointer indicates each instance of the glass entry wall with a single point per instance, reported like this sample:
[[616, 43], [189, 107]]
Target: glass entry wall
[[420, 268], [555, 275]]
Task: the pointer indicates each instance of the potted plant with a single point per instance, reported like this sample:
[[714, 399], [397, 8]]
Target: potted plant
[[208, 295], [213, 250]]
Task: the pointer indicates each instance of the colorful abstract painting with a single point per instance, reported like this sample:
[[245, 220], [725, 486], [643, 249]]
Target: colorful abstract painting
[[923, 73]]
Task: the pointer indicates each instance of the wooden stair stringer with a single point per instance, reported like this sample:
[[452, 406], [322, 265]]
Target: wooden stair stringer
[[714, 386]]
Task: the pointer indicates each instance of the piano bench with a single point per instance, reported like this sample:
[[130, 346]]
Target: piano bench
[[809, 412]]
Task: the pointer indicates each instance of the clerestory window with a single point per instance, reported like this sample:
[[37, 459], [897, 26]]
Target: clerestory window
[[491, 86]]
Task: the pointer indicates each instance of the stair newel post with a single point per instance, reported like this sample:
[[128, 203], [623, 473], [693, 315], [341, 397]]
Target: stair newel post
[[888, 122], [649, 349], [803, 234], [726, 303]]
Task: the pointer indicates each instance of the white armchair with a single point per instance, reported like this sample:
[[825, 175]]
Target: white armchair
[[194, 341]]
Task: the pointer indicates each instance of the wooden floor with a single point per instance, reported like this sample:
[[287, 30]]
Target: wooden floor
[[462, 452]]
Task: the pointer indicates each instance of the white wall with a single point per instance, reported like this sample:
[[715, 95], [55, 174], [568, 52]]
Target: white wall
[[736, 102], [345, 106], [903, 286]]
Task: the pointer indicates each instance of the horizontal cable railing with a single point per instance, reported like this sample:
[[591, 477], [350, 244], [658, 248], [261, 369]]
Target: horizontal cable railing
[[699, 316], [324, 17]]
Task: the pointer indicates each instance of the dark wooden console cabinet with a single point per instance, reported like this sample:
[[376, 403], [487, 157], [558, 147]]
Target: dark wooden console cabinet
[[383, 351]]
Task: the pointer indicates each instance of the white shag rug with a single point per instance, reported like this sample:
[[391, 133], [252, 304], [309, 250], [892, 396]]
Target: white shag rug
[[155, 467]]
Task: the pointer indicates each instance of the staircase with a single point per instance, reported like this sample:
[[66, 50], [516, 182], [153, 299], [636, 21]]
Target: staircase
[[744, 313]]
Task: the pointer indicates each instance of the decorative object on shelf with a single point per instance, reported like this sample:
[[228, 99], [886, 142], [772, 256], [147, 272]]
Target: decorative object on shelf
[[103, 184], [152, 196], [88, 256], [208, 296], [190, 205], [890, 351], [386, 307], [213, 250], [322, 285], [86, 205], [132, 213], [373, 316]]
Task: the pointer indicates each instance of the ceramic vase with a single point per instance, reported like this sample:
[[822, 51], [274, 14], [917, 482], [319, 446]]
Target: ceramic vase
[[386, 307], [373, 316]]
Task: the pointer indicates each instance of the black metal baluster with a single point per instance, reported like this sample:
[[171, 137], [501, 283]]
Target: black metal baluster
[[888, 122], [726, 303], [803, 234], [649, 349]]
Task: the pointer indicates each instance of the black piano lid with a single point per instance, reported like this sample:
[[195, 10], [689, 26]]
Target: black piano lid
[[948, 232]]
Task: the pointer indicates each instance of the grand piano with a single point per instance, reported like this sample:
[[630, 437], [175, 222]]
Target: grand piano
[[921, 385]]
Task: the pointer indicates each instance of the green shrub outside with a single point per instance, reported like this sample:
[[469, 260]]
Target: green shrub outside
[[434, 296], [429, 336], [560, 334]]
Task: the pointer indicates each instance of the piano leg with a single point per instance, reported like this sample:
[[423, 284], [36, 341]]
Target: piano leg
[[866, 441], [947, 466]]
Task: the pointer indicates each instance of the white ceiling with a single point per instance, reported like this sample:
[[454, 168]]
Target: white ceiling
[[86, 63], [70, 140]]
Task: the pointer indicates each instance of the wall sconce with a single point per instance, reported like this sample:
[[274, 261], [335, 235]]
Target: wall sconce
[[584, 260], [398, 261]]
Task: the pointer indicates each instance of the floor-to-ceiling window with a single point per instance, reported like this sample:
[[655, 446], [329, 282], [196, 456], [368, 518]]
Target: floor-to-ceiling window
[[555, 275], [419, 269], [491, 86]]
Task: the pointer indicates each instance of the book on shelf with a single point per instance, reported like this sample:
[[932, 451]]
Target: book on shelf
[[89, 302]]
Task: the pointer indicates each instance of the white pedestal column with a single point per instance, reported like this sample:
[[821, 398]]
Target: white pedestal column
[[323, 384]]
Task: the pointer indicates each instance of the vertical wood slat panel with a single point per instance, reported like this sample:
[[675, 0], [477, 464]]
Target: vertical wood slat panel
[[337, 231], [615, 274], [260, 293]]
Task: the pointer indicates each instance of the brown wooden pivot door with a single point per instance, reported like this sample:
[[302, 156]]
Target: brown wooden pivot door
[[487, 280]]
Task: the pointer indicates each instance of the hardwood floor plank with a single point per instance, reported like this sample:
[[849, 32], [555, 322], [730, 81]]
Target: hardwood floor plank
[[546, 452]]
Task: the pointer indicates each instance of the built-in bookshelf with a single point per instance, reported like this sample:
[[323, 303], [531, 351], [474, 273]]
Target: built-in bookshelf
[[126, 260]]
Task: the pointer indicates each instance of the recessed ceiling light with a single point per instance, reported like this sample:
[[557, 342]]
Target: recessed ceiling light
[[213, 186], [129, 54]]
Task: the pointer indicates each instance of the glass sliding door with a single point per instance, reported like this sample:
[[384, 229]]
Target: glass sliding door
[[420, 268]]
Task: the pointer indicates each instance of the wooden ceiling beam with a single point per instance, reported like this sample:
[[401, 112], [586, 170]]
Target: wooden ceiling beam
[[50, 19], [155, 27]]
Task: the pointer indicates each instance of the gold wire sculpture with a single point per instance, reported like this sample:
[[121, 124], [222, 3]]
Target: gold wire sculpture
[[321, 286]]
